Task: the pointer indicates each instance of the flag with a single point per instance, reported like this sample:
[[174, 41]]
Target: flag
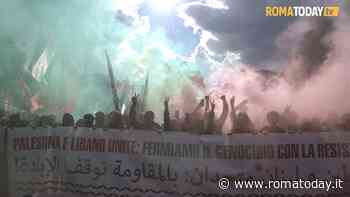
[[40, 67]]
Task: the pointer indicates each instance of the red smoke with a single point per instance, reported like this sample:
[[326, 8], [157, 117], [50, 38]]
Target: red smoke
[[326, 90]]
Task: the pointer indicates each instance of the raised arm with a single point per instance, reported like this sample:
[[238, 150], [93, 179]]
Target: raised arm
[[211, 119], [224, 113], [198, 107], [166, 115], [132, 113], [207, 104], [233, 112]]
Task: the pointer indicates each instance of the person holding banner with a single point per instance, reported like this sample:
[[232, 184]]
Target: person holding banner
[[81, 123], [196, 118], [133, 122], [176, 122], [99, 120], [89, 119], [241, 122], [275, 123], [171, 124], [289, 119], [186, 125], [222, 119], [67, 120], [149, 122], [116, 120], [210, 119]]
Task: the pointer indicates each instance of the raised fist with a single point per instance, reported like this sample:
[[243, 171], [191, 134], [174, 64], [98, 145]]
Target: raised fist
[[134, 99]]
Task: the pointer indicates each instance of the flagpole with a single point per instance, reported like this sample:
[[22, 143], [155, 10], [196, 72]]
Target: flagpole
[[112, 80], [145, 94]]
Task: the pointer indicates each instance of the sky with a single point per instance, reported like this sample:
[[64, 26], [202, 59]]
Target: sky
[[184, 46]]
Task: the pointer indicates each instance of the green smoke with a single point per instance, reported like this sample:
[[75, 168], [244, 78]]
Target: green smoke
[[75, 34]]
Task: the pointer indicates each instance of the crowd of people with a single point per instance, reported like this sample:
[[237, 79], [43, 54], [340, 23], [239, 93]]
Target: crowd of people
[[202, 120]]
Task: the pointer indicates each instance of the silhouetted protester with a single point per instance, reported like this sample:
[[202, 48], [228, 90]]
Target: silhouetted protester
[[275, 123], [52, 120], [306, 126], [35, 121], [289, 120], [219, 124], [67, 120], [99, 120], [14, 120], [197, 118], [89, 120], [205, 116], [133, 121], [243, 124], [210, 120], [107, 120], [233, 114], [345, 122], [125, 119], [176, 123], [81, 123], [313, 125], [148, 121], [116, 120], [207, 104], [166, 117], [187, 124], [47, 121], [332, 121], [171, 124]]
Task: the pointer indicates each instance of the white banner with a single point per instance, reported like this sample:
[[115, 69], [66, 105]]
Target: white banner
[[63, 162]]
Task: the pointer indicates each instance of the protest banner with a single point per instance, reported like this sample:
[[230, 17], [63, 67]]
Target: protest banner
[[87, 162]]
